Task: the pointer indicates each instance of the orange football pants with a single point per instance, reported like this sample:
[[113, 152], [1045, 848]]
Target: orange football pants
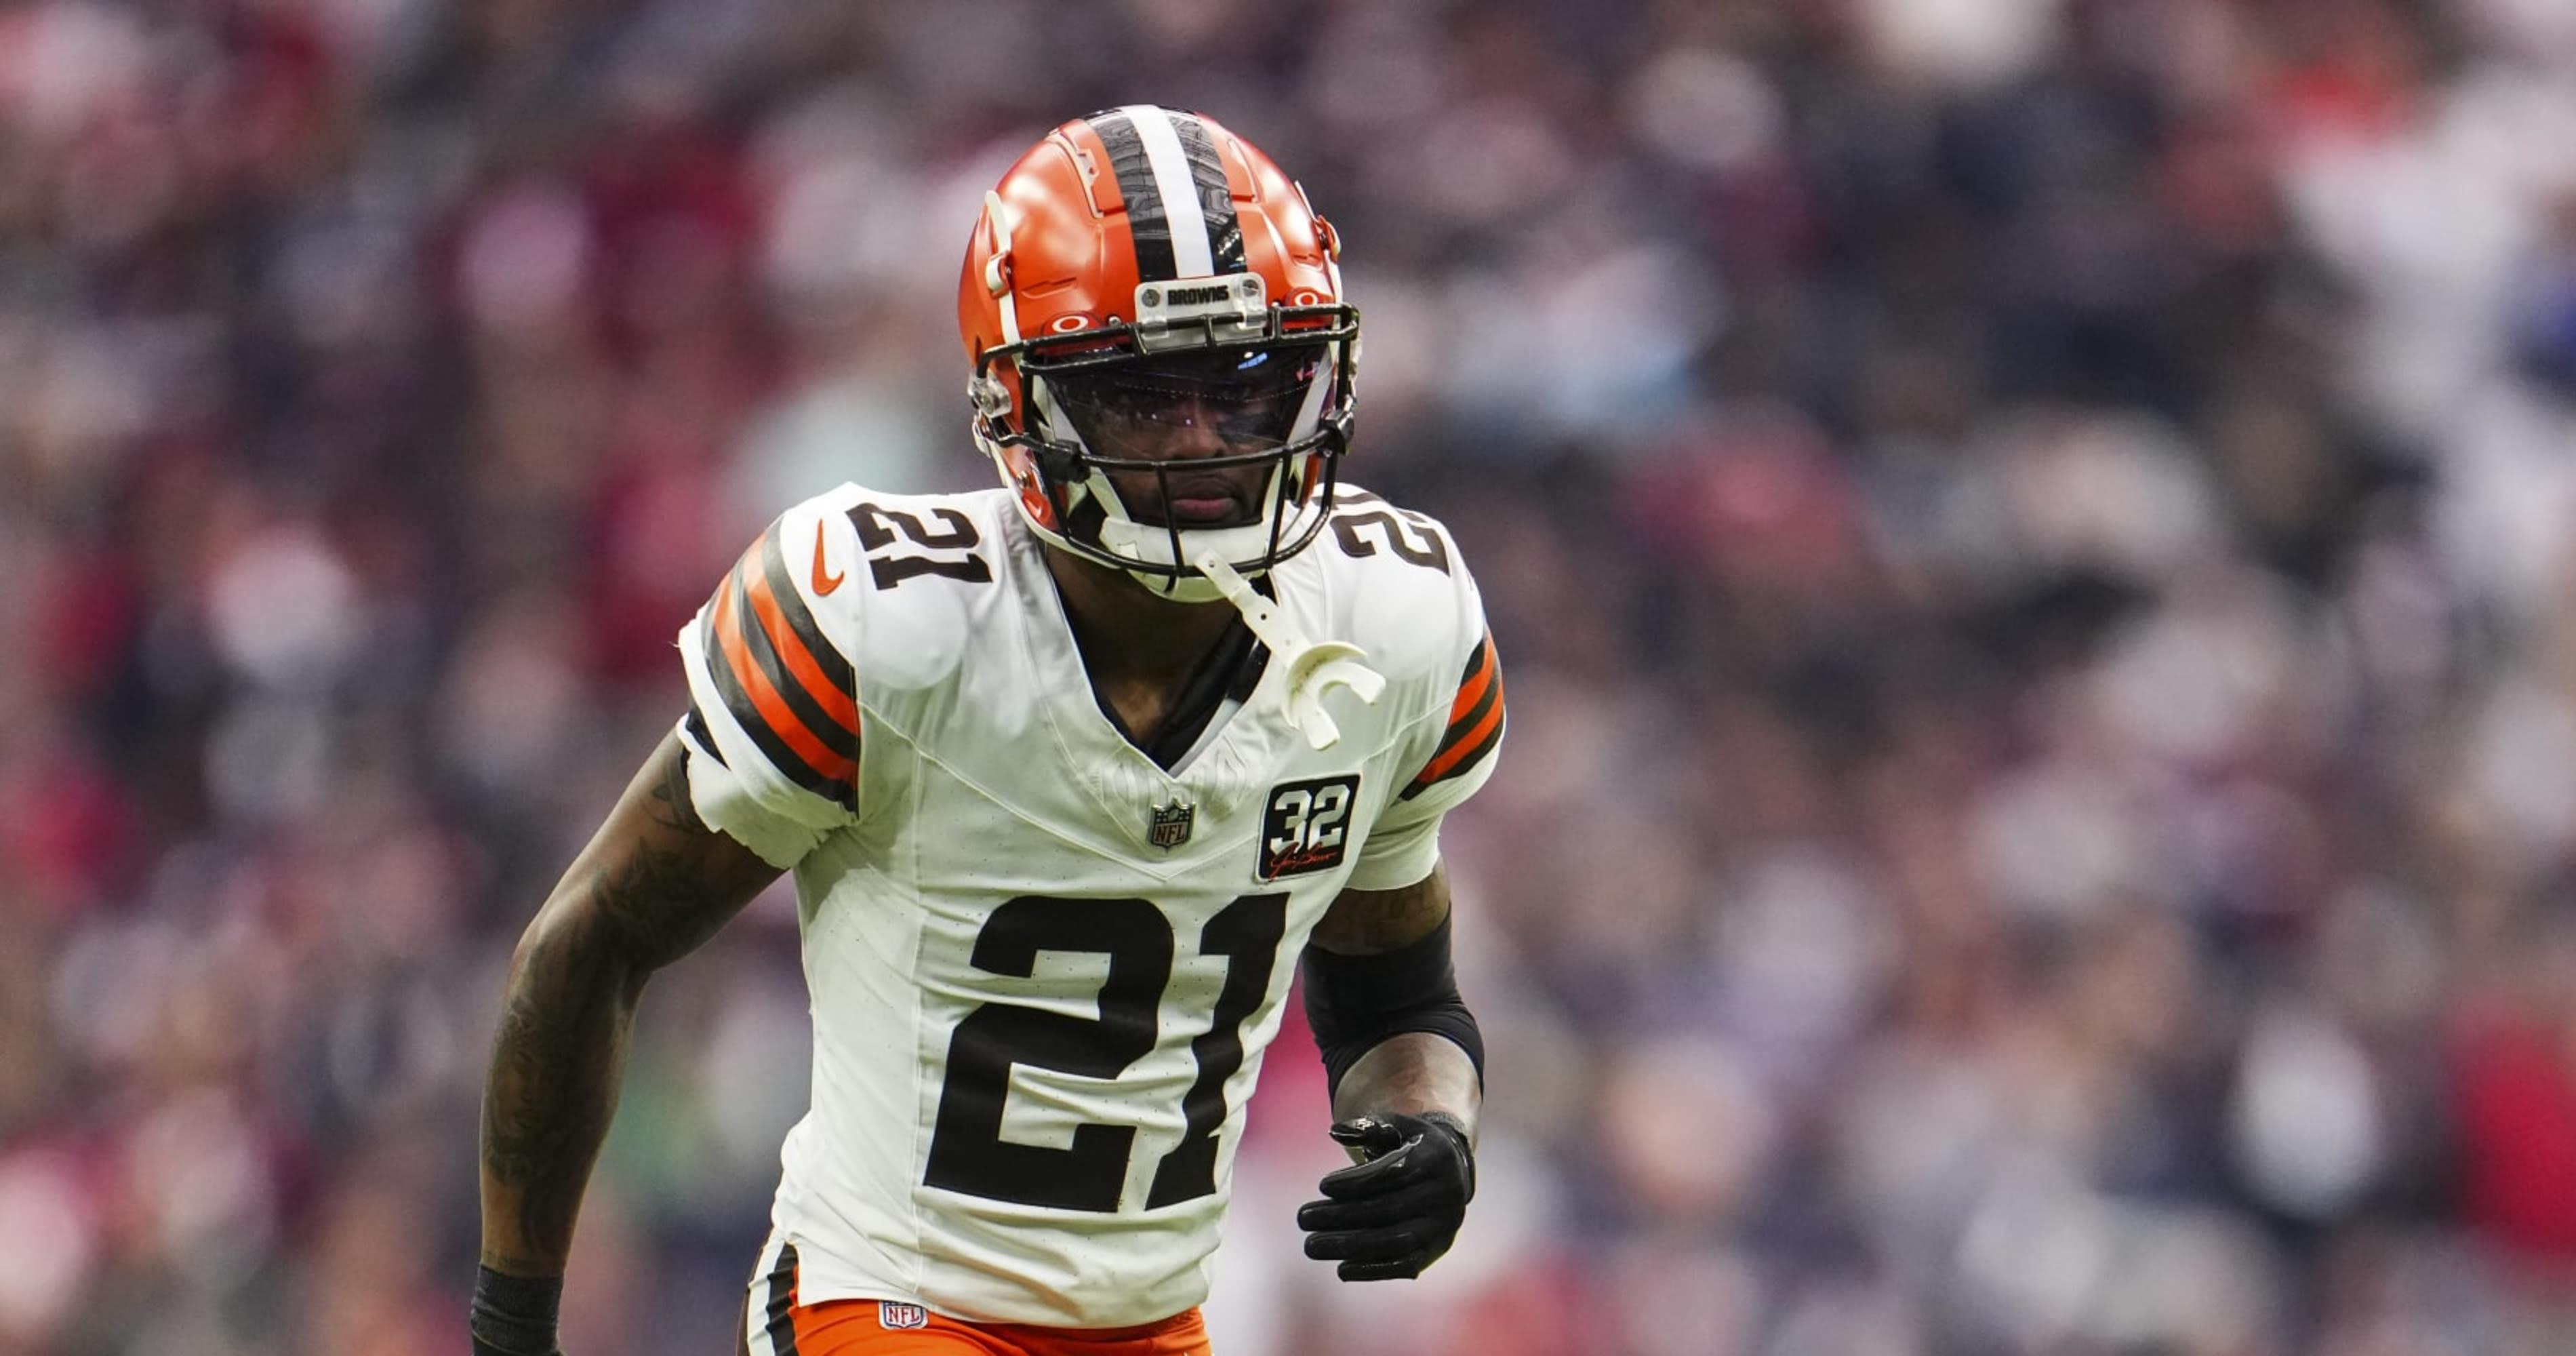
[[776, 1323]]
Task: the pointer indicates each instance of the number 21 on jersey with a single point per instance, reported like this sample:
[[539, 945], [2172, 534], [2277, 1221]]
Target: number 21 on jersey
[[967, 1151]]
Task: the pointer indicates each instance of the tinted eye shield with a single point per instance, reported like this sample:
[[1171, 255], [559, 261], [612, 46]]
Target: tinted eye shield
[[1125, 407], [1095, 362]]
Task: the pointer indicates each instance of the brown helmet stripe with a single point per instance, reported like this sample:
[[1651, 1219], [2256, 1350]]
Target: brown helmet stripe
[[1179, 211], [1147, 223]]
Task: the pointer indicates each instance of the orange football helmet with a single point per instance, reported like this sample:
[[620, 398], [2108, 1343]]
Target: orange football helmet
[[1144, 266]]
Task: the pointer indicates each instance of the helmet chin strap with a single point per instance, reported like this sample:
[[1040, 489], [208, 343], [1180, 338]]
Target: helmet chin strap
[[1124, 536], [1312, 666]]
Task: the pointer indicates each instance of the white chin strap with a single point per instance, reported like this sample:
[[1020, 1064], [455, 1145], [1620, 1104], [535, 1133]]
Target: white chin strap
[[1312, 666], [1121, 535], [1124, 536]]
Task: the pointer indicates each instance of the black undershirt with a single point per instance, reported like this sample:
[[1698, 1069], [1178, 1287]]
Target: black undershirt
[[1231, 669]]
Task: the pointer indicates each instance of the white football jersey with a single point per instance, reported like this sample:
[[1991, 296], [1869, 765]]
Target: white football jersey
[[1043, 968]]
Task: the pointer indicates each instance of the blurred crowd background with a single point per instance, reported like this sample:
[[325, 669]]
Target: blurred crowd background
[[2031, 541]]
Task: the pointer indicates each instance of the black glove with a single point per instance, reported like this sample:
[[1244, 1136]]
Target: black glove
[[514, 1315], [1398, 1210]]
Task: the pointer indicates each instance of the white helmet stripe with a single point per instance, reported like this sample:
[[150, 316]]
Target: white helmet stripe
[[1179, 191]]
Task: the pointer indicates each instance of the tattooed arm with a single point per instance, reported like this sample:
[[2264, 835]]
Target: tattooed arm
[[652, 885], [1412, 1071]]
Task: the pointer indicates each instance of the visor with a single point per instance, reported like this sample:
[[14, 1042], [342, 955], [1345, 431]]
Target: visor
[[1250, 397]]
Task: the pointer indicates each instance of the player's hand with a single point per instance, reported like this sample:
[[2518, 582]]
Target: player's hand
[[1395, 1212]]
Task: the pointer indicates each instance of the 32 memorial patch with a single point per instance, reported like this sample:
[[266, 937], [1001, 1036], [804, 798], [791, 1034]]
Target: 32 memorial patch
[[1305, 827]]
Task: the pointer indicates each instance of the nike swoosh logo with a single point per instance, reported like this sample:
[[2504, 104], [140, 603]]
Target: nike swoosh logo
[[824, 580]]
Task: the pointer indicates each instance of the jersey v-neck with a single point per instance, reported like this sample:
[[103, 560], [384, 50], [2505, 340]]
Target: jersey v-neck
[[1222, 679], [1226, 674]]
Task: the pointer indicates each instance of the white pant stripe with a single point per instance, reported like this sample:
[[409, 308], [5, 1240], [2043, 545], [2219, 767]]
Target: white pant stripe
[[766, 1286]]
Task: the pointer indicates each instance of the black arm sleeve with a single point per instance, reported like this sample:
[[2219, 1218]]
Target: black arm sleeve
[[1354, 1003]]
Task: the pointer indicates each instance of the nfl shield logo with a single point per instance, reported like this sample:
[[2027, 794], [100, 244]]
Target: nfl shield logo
[[893, 1315], [1172, 824]]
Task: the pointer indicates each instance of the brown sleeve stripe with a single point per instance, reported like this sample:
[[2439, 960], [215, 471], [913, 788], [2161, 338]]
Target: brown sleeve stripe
[[834, 669], [1475, 721], [821, 675], [763, 711], [1482, 679], [805, 739], [783, 664]]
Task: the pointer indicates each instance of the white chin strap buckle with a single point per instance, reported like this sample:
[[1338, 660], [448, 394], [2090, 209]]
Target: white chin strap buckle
[[1312, 667]]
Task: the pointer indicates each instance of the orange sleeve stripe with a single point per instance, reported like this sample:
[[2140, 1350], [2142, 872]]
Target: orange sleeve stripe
[[1473, 690], [1475, 718], [842, 707], [772, 707], [1462, 745]]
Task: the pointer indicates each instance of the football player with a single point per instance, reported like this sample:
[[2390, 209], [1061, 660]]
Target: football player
[[1066, 772]]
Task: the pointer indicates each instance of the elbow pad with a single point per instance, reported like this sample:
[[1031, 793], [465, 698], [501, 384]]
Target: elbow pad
[[1354, 1003]]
